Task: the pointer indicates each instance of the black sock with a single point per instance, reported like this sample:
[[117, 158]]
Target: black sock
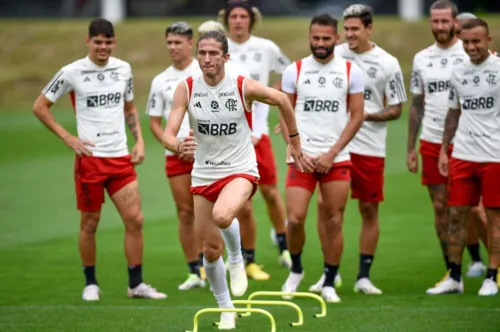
[[365, 262], [248, 255], [134, 275], [445, 255], [330, 273], [89, 272], [491, 274], [474, 252], [200, 257], [456, 271], [296, 263], [194, 267], [282, 242]]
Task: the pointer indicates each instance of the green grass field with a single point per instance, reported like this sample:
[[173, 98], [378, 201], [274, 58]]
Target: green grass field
[[41, 278]]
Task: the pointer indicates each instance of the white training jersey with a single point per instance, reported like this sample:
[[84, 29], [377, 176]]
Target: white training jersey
[[384, 85], [322, 92], [431, 72], [475, 89], [161, 95], [261, 57], [98, 94], [222, 127]]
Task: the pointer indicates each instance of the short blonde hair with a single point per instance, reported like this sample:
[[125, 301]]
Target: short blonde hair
[[211, 26]]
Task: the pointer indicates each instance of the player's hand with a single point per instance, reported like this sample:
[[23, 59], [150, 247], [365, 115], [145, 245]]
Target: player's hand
[[277, 129], [412, 161], [255, 140], [324, 162], [81, 147], [302, 161], [138, 153], [443, 164], [187, 147]]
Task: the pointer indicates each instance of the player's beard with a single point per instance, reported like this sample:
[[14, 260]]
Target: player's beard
[[329, 51], [444, 40]]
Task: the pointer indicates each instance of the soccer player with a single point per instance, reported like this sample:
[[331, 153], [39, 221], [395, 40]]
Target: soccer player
[[477, 225], [179, 39], [474, 167], [384, 95], [101, 91], [327, 92], [430, 84], [225, 171], [261, 57]]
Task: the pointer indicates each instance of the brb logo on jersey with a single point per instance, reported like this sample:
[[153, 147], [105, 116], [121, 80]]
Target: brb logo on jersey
[[438, 86], [216, 129], [313, 105], [104, 99], [471, 104]]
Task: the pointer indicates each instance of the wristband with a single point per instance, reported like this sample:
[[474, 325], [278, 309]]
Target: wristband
[[296, 134]]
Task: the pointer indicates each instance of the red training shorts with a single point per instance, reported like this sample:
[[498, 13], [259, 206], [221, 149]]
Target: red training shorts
[[175, 166], [430, 159], [212, 191], [468, 181], [94, 174], [367, 178], [265, 161], [339, 172]]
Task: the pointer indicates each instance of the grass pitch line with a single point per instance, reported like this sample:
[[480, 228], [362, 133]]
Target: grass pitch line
[[249, 303], [237, 310], [291, 295]]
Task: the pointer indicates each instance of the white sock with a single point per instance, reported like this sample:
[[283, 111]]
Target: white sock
[[216, 275], [232, 239]]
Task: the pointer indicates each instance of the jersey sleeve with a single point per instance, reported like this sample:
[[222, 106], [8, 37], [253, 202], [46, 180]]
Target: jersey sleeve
[[156, 104], [416, 84], [129, 90], [395, 92], [453, 100], [58, 86], [289, 79], [356, 79], [280, 60]]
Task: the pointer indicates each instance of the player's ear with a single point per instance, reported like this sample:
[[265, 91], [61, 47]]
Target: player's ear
[[226, 57], [369, 28]]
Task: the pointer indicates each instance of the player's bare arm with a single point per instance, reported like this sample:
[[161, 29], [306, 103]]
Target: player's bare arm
[[450, 127], [186, 147], [132, 120], [41, 109], [356, 109], [390, 113], [156, 127], [258, 92], [414, 122]]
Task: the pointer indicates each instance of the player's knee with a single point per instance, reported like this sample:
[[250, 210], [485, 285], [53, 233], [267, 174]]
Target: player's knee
[[185, 215], [212, 250], [271, 194], [334, 222], [369, 212], [134, 223], [222, 217], [454, 214], [439, 206], [245, 213], [89, 222]]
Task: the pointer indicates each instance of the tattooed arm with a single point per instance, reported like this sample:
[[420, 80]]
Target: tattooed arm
[[387, 114], [415, 120], [132, 120], [450, 127]]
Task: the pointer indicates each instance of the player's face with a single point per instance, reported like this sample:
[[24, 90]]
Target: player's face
[[322, 40], [101, 47], [443, 25], [210, 57], [179, 47], [476, 43], [356, 33], [238, 22]]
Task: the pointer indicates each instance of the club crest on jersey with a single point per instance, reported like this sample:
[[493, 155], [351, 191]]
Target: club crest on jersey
[[444, 62], [114, 76], [338, 83], [321, 80], [231, 105], [372, 72], [100, 77], [491, 79], [214, 106], [476, 80]]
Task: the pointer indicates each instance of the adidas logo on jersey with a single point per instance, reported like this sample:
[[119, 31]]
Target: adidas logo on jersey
[[87, 79], [198, 104], [307, 81]]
